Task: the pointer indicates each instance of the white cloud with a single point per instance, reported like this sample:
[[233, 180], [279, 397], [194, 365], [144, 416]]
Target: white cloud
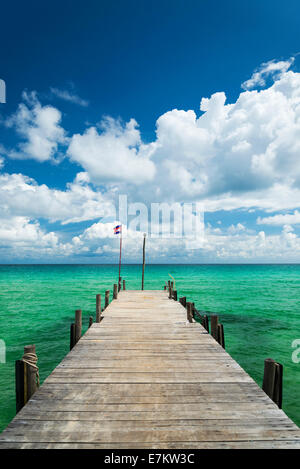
[[281, 219], [39, 127], [67, 96], [236, 228], [22, 196], [22, 231], [115, 154], [274, 69]]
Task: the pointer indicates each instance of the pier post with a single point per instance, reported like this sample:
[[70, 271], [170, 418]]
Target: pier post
[[115, 291], [124, 286], [107, 292], [119, 284], [175, 295], [214, 319], [170, 292], [98, 308], [221, 338], [183, 301], [72, 335], [189, 312], [90, 321], [27, 376], [78, 324], [205, 322], [272, 381]]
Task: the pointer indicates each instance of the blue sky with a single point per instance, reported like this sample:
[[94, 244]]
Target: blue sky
[[78, 73]]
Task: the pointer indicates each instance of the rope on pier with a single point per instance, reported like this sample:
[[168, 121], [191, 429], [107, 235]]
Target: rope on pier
[[31, 359]]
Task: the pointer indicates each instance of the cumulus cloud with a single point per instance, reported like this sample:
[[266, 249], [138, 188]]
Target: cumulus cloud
[[115, 154], [273, 69], [70, 97], [233, 149], [281, 219], [22, 231], [39, 127], [21, 195]]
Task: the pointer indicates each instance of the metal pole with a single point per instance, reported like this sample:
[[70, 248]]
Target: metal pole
[[143, 274], [120, 257]]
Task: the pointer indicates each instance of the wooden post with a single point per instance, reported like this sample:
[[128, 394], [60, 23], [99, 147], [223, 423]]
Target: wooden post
[[169, 283], [90, 321], [31, 372], [277, 395], [183, 301], [205, 322], [115, 291], [272, 382], [78, 324], [106, 298], [119, 284], [165, 287], [269, 377], [124, 286], [26, 377], [170, 293], [144, 258], [221, 338], [189, 310], [72, 335], [98, 308], [175, 295], [214, 319], [20, 374]]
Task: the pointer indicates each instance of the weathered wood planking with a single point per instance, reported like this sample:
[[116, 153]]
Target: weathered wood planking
[[144, 377]]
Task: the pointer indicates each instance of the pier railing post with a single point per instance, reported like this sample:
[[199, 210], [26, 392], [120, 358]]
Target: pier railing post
[[72, 335], [205, 322], [90, 321], [98, 308], [119, 284], [170, 292], [182, 300], [107, 292], [78, 324], [221, 338], [189, 312], [214, 319], [175, 295], [124, 286], [115, 291], [272, 381], [27, 376]]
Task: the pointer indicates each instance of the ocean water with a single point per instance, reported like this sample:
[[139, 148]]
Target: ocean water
[[259, 306]]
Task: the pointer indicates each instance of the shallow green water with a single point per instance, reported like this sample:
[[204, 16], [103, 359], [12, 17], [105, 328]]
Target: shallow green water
[[259, 306]]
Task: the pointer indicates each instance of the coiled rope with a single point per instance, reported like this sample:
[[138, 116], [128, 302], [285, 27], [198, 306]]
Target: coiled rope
[[31, 359]]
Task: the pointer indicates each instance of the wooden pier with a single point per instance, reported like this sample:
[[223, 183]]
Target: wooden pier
[[145, 377]]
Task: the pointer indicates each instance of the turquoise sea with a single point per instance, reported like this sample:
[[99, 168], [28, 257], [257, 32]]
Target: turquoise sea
[[259, 306]]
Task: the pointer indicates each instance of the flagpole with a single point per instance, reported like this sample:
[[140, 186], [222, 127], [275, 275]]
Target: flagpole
[[120, 259], [143, 272]]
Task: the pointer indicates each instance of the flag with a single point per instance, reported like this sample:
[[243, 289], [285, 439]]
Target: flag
[[117, 229]]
